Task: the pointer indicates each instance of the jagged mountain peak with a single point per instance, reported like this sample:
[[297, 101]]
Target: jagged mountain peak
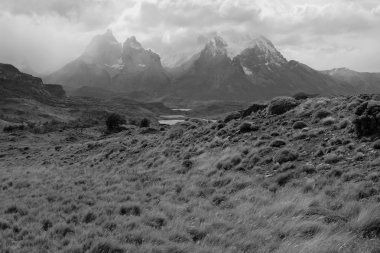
[[216, 46], [103, 49], [104, 38], [263, 43], [261, 51], [133, 43]]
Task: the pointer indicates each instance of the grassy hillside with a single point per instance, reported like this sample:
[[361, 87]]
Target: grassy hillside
[[301, 181]]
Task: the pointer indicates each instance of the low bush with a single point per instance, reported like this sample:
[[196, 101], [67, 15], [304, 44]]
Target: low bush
[[12, 128], [376, 144], [245, 127], [321, 114], [299, 125], [130, 209], [328, 121], [332, 158], [227, 163], [106, 247], [367, 121], [283, 178], [145, 122], [302, 96], [232, 116], [277, 143], [285, 155], [368, 222], [343, 124], [280, 105], [252, 109], [4, 224]]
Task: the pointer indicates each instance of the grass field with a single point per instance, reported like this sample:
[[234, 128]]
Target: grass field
[[297, 182]]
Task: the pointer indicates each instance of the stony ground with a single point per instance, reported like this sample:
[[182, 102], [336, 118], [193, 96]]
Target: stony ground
[[297, 182]]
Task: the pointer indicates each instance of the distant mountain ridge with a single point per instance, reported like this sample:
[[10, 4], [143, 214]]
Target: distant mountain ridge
[[365, 81], [258, 71], [110, 65]]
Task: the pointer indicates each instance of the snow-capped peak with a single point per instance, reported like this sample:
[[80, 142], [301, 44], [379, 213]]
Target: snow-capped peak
[[267, 50]]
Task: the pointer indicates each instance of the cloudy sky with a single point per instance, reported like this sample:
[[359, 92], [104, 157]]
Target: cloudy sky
[[324, 34]]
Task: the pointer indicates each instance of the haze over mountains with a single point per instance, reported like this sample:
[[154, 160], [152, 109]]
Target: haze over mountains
[[258, 71]]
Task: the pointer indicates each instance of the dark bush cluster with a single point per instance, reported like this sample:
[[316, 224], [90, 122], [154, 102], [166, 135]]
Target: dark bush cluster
[[144, 122], [114, 122], [367, 120], [12, 128], [246, 127]]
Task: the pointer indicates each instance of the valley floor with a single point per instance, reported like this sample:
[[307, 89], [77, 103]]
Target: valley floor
[[196, 186]]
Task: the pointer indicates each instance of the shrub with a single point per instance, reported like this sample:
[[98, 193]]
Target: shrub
[[367, 120], [61, 230], [277, 143], [114, 121], [46, 224], [4, 224], [246, 127], [332, 158], [232, 116], [145, 122], [252, 109], [368, 222], [106, 247], [16, 209], [299, 125], [131, 209], [285, 155], [302, 96], [89, 217], [156, 222], [308, 168], [227, 163], [11, 128], [283, 178], [344, 124], [197, 234], [175, 133], [328, 121], [321, 114], [376, 144], [280, 105]]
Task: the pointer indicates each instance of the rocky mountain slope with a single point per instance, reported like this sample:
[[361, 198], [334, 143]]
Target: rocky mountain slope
[[26, 100], [141, 72], [15, 84], [258, 72], [364, 81], [212, 74], [288, 176]]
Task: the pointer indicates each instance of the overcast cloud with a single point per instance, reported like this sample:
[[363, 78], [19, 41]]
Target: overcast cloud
[[324, 34]]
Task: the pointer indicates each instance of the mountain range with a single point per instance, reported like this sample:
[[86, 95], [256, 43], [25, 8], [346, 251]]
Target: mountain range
[[259, 71]]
